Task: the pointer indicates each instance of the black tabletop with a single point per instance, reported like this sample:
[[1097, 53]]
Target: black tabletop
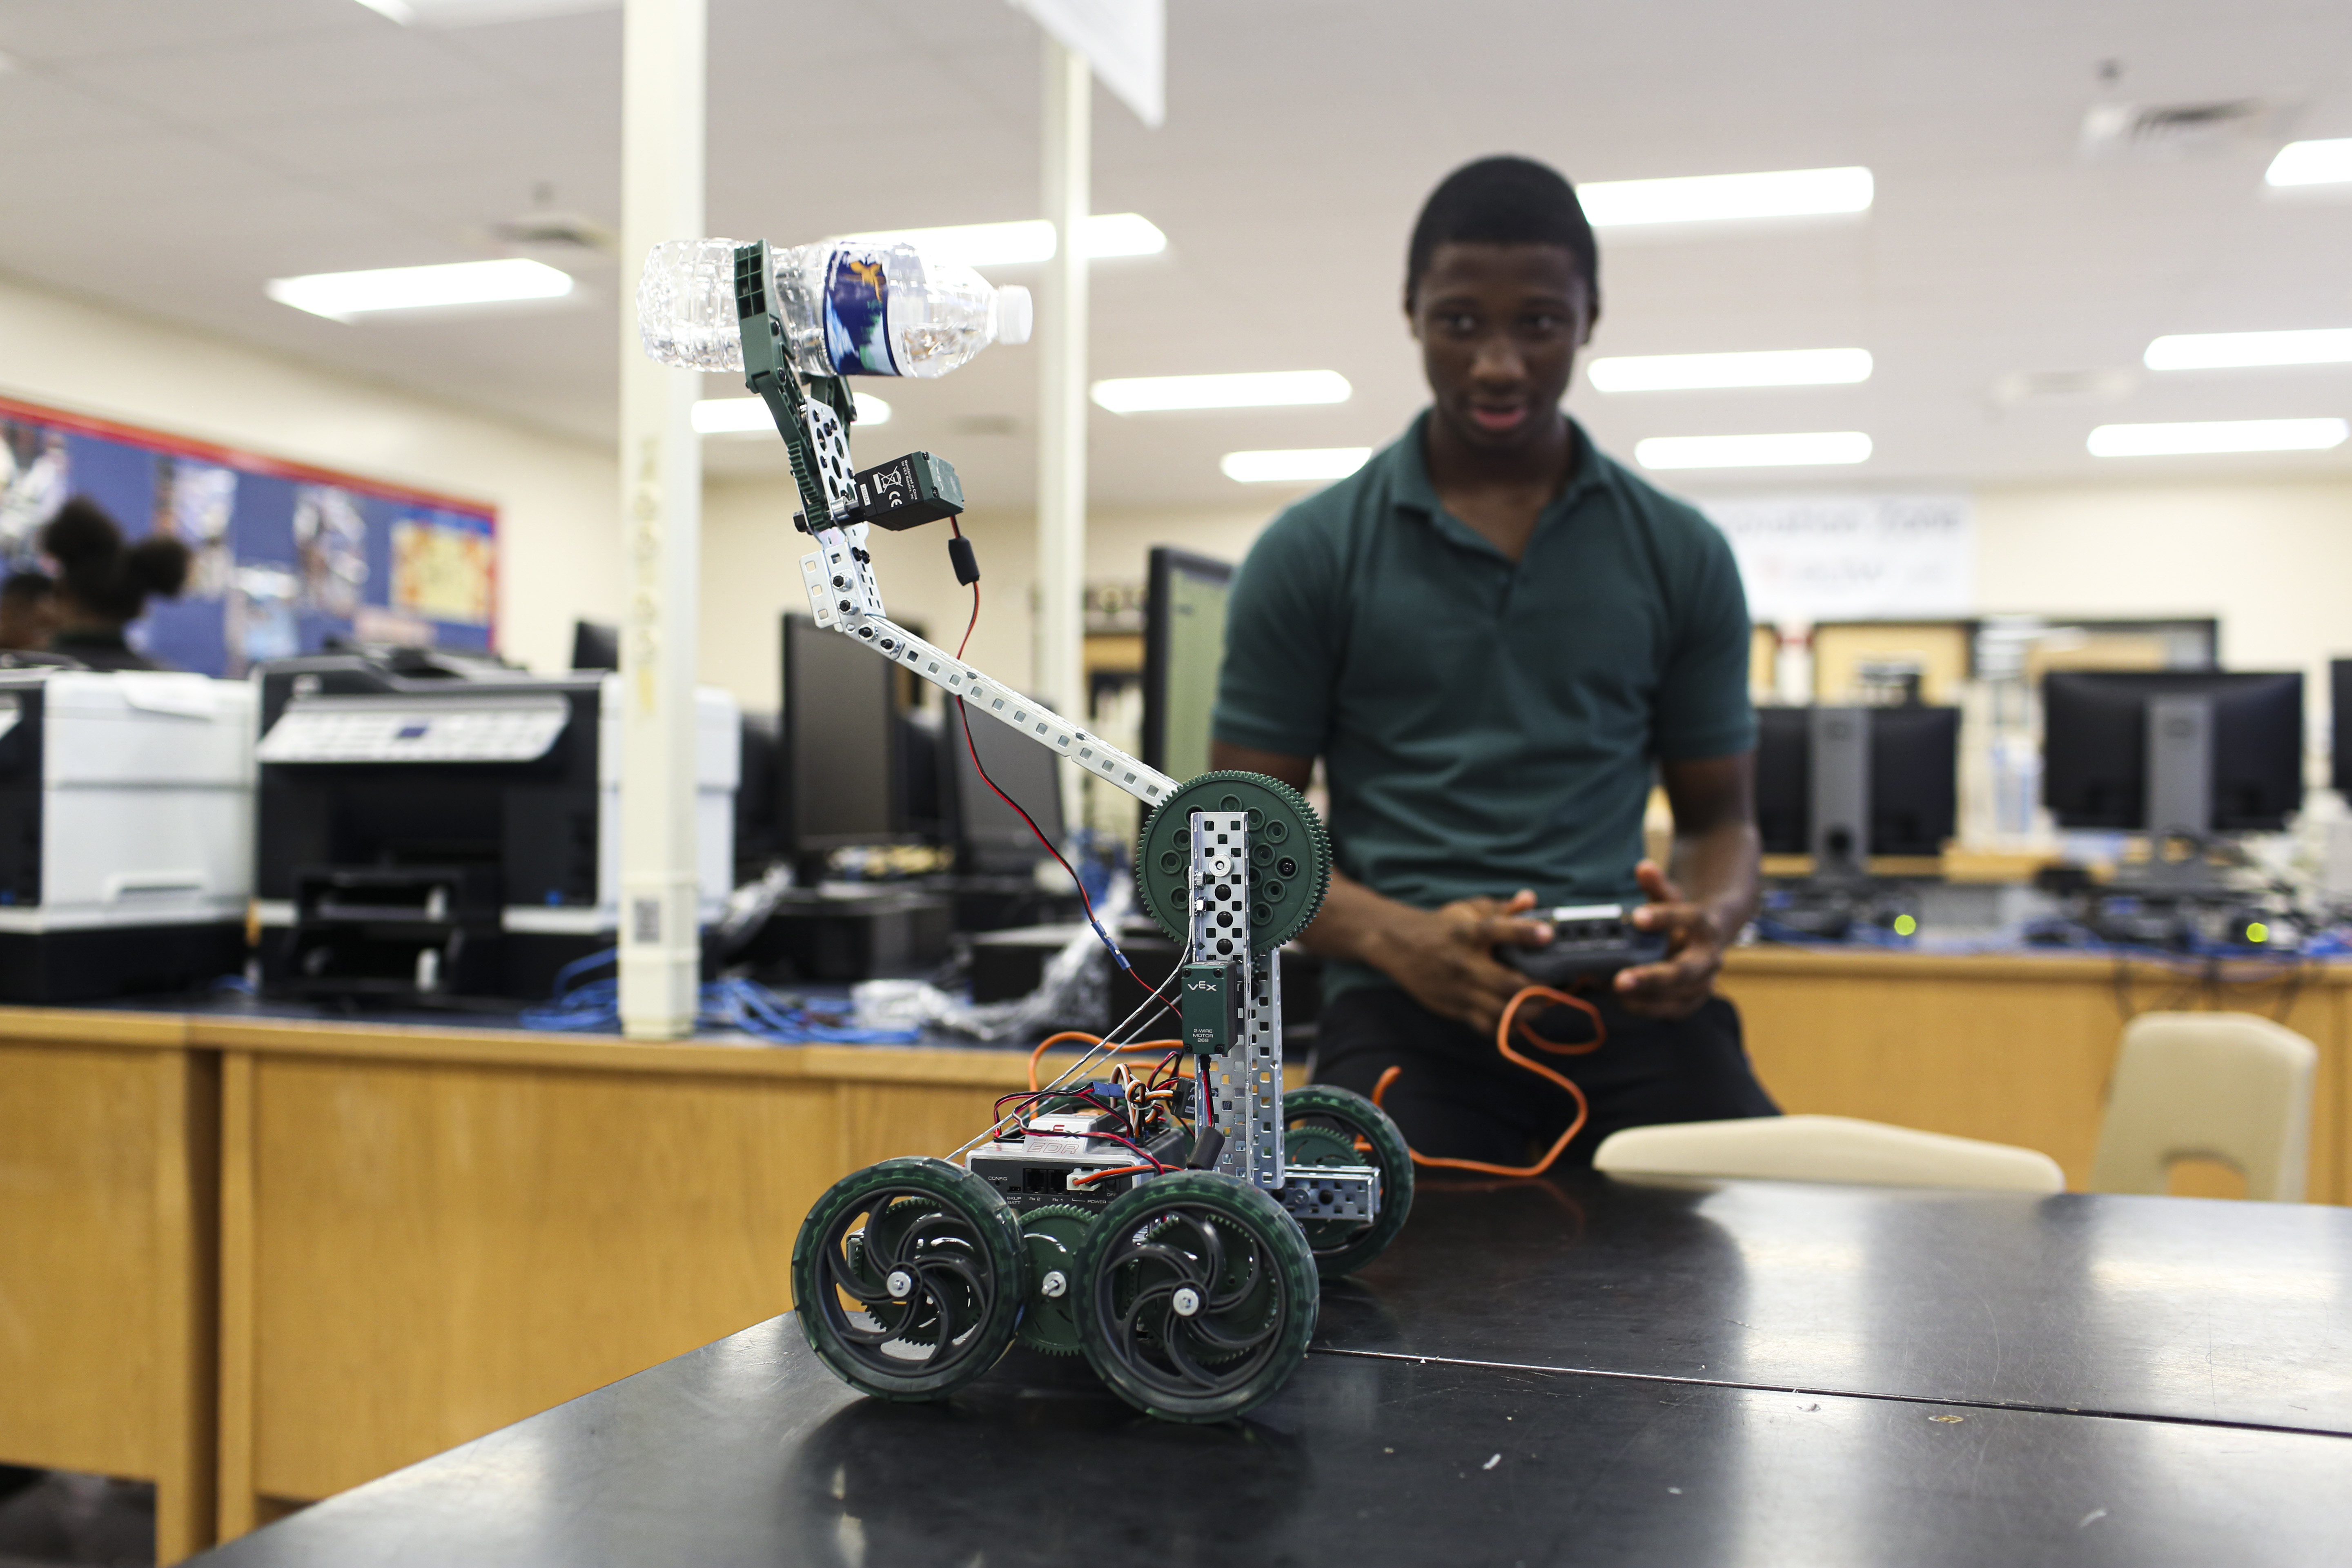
[[1585, 1371], [747, 1452], [2183, 1309]]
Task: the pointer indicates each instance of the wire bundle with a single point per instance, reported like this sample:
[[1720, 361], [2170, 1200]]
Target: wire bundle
[[585, 1006]]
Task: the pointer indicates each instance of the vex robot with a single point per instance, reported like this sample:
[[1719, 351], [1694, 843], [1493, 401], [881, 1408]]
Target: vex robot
[[1170, 1225]]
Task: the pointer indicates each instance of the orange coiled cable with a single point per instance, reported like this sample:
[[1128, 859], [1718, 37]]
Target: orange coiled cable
[[1504, 1028]]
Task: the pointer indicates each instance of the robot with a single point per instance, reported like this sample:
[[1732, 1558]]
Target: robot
[[1172, 1228]]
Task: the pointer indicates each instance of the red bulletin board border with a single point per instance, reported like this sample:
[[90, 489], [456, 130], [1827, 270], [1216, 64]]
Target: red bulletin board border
[[239, 457], [255, 462]]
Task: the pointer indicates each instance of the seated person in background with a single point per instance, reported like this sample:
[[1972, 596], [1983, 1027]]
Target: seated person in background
[[1492, 634], [28, 611], [104, 583]]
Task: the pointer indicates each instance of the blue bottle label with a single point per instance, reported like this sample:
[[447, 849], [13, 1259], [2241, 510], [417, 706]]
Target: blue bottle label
[[856, 307]]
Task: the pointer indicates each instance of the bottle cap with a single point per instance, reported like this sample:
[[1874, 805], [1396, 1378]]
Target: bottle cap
[[1013, 314]]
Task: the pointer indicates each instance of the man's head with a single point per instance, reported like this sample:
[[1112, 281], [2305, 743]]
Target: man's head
[[1502, 288]]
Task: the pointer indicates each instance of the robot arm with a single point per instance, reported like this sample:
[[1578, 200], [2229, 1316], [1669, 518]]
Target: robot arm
[[840, 505]]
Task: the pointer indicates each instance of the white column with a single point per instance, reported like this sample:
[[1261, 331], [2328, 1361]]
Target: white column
[[662, 73], [1059, 678]]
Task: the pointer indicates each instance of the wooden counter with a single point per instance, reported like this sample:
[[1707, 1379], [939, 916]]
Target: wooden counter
[[263, 1261], [2013, 1048], [426, 1235], [107, 1172]]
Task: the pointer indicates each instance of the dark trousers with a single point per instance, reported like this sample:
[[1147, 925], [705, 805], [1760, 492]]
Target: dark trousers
[[1457, 1096]]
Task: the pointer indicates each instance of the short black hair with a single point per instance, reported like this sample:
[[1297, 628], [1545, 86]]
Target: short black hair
[[27, 584], [1503, 201], [107, 577]]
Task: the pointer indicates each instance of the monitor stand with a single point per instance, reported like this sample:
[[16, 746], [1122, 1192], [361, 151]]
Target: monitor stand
[[1841, 796], [2180, 803]]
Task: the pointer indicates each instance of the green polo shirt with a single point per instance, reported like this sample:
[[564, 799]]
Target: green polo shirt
[[1485, 725]]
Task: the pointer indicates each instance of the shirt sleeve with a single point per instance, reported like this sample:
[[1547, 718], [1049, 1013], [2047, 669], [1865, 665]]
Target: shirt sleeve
[[1703, 705], [1281, 642]]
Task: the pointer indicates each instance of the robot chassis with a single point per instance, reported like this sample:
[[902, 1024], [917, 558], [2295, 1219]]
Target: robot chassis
[[1170, 1229]]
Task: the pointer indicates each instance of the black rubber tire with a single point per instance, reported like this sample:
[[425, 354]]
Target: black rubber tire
[[1341, 1247], [1259, 1296], [964, 1253]]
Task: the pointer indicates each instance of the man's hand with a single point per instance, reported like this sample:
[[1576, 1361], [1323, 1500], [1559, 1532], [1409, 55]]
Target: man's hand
[[1695, 944], [1444, 958]]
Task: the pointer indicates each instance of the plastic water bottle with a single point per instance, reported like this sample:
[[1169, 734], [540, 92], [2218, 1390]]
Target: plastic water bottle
[[849, 308]]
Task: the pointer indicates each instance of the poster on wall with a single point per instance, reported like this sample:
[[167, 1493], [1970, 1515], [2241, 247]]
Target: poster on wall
[[1854, 557], [285, 557]]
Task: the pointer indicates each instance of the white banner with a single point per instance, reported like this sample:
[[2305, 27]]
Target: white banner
[[1853, 558], [1124, 41]]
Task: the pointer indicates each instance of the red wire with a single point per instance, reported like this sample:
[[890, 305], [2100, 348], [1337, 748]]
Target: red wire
[[1075, 880]]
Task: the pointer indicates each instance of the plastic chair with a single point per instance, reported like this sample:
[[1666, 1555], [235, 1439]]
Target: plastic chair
[[2218, 1086], [1826, 1149]]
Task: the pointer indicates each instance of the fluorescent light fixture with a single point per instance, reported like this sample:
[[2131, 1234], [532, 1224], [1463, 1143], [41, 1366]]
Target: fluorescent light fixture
[[1679, 372], [472, 13], [1302, 465], [2311, 164], [2215, 351], [340, 296], [2217, 436], [1031, 241], [1709, 198], [1259, 389], [749, 416], [1796, 450]]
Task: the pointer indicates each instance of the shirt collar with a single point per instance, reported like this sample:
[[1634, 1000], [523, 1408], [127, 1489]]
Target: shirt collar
[[1414, 493]]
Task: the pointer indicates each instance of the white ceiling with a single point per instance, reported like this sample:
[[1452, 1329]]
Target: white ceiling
[[173, 156]]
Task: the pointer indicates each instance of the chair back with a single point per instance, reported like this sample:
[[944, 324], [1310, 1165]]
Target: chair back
[[2220, 1086], [1827, 1149]]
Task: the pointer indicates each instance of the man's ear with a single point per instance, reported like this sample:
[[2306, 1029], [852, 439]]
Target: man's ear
[[1411, 321]]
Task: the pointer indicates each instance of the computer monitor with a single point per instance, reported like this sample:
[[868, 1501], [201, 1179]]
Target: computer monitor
[[2339, 714], [595, 645], [1784, 779], [759, 792], [839, 747], [1183, 649], [2172, 751], [991, 837], [1908, 773]]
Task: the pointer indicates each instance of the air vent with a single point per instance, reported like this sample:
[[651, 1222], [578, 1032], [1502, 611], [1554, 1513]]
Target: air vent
[[555, 231], [2062, 385], [2167, 130]]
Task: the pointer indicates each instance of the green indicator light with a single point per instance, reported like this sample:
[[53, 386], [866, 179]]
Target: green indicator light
[[2258, 932], [1904, 925]]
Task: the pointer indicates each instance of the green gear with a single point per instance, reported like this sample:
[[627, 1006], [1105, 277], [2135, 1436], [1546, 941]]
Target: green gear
[[1050, 1233], [1283, 827]]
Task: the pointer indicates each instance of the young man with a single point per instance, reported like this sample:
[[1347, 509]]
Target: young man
[[1493, 635]]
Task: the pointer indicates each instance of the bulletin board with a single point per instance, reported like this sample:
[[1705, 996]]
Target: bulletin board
[[287, 556]]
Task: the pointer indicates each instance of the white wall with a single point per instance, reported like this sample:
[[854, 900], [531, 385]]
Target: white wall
[[2273, 559], [556, 498]]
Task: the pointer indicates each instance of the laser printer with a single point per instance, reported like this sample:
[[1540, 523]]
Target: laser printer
[[126, 831], [433, 826]]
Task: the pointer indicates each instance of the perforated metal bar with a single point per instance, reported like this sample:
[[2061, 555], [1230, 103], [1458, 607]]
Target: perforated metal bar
[[952, 675], [1246, 1082]]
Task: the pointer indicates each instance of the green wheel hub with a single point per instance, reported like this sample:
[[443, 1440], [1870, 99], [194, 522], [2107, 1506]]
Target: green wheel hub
[[1051, 1233], [1290, 855]]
